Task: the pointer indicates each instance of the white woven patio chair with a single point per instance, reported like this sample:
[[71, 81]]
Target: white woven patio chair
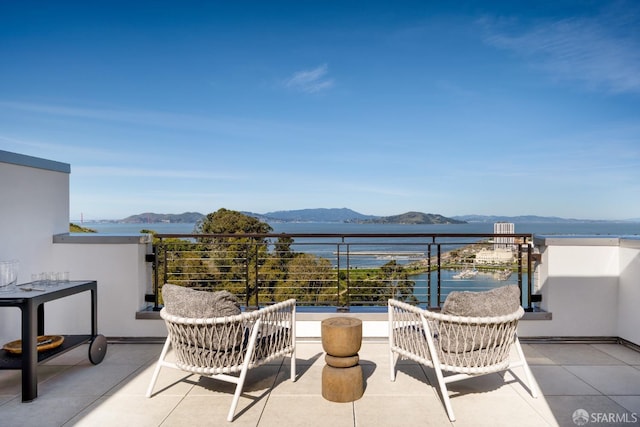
[[221, 346], [461, 345]]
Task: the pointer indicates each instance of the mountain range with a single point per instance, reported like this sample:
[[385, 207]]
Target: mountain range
[[348, 215]]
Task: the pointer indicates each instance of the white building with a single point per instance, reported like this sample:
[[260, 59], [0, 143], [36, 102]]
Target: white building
[[496, 256], [503, 228]]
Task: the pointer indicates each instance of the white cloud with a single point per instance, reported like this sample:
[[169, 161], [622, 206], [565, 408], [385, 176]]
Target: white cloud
[[602, 52], [310, 81], [111, 171]]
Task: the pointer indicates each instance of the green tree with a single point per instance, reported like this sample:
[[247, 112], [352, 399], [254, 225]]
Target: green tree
[[225, 221], [237, 258], [310, 279], [392, 281]]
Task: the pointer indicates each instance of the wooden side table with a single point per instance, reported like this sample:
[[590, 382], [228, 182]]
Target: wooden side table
[[342, 375]]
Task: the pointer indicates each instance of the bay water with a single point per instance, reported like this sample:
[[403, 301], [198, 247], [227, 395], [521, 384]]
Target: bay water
[[560, 228]]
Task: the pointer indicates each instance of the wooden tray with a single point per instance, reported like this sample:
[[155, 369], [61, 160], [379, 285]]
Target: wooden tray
[[45, 342]]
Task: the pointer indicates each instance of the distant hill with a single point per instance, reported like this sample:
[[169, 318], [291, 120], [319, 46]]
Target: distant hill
[[348, 215], [315, 215], [150, 218], [529, 219], [413, 218]]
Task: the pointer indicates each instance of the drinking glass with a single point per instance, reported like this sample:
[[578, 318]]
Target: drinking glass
[[8, 273]]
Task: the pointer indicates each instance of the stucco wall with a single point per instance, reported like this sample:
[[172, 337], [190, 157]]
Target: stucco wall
[[34, 205], [629, 291]]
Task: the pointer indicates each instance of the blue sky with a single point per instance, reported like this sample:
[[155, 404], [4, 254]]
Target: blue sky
[[471, 107]]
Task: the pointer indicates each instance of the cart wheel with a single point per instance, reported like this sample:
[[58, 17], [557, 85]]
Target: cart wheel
[[97, 349]]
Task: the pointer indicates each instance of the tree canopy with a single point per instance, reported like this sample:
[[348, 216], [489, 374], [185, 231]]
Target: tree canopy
[[225, 221]]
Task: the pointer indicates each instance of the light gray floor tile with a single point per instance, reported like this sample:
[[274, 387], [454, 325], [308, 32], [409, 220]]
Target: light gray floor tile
[[494, 410], [92, 380], [308, 382], [630, 403], [409, 380], [534, 356], [613, 380], [558, 381], [306, 410], [564, 408], [128, 354], [309, 353], [194, 411], [625, 354], [48, 410], [126, 411], [400, 411], [575, 354], [170, 382]]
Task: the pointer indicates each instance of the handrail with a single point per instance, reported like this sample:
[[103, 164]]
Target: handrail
[[347, 271]]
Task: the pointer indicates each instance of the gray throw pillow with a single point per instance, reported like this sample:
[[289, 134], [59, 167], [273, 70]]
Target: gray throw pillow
[[460, 338], [186, 302], [495, 302]]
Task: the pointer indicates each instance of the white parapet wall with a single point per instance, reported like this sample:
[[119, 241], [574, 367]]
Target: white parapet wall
[[582, 283], [628, 315], [119, 266], [35, 206]]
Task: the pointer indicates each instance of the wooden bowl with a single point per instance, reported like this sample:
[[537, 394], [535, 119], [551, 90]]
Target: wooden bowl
[[44, 343]]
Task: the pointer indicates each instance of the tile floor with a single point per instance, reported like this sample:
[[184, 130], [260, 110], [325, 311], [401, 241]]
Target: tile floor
[[602, 379]]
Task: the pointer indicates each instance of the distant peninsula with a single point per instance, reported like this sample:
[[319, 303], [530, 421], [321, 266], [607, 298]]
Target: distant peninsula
[[345, 215], [412, 218], [302, 215], [151, 218]]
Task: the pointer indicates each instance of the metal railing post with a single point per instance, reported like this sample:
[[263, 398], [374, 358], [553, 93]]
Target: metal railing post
[[439, 278], [428, 276], [529, 275], [156, 290], [520, 269]]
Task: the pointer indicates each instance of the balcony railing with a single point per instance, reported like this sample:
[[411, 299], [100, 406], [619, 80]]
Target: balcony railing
[[343, 272]]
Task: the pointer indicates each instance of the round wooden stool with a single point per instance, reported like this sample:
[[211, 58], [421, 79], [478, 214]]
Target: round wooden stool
[[342, 375]]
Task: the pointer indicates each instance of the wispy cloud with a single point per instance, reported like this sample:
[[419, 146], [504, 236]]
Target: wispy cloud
[[310, 81], [602, 52], [111, 171]]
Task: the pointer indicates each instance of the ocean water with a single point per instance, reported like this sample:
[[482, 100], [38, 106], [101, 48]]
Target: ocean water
[[568, 228]]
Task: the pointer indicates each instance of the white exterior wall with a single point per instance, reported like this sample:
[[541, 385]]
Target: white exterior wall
[[579, 283], [37, 209], [35, 206], [629, 292], [118, 264]]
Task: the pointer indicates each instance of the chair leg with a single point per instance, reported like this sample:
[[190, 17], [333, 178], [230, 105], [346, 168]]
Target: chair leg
[[238, 392], [445, 393], [293, 364], [156, 371], [527, 371], [245, 368], [392, 365]]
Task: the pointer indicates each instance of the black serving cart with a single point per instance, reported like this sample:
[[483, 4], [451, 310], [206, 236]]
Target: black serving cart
[[30, 299]]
